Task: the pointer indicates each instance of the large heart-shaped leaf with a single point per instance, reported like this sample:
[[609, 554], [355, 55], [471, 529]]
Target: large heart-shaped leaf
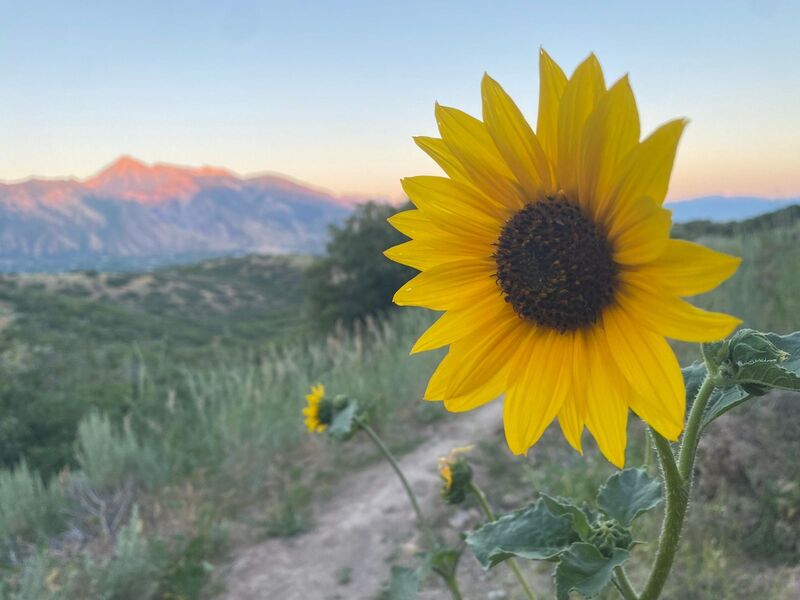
[[532, 532], [564, 506], [583, 569], [628, 493]]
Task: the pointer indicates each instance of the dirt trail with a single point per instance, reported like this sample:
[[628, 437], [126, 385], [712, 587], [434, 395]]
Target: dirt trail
[[359, 530]]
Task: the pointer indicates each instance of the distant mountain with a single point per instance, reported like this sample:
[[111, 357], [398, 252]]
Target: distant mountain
[[720, 209], [135, 215]]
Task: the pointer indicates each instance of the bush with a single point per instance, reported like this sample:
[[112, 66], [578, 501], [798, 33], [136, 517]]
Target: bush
[[133, 572], [30, 511], [354, 279], [109, 459]]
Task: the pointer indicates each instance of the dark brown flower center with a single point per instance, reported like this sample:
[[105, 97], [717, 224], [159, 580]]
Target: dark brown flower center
[[555, 266]]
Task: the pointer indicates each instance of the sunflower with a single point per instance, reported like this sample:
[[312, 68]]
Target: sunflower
[[550, 255], [313, 410], [456, 475]]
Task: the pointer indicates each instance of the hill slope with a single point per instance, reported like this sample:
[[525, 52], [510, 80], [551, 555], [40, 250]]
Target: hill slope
[[77, 341]]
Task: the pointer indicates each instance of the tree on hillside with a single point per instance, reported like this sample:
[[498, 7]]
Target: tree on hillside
[[354, 279]]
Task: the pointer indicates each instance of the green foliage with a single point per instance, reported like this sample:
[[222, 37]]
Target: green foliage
[[765, 291], [76, 342], [29, 510], [109, 458], [627, 494], [583, 569], [133, 571], [586, 544], [345, 420], [187, 568], [291, 514], [32, 584], [354, 279], [749, 364], [532, 532], [405, 583]]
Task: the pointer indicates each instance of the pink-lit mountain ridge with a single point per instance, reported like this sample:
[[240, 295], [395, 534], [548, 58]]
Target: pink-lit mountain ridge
[[132, 215]]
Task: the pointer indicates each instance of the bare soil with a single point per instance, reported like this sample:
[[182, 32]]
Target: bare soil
[[367, 525]]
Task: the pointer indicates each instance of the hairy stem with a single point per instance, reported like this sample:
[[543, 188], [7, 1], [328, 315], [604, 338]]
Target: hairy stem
[[624, 584], [490, 516], [678, 483]]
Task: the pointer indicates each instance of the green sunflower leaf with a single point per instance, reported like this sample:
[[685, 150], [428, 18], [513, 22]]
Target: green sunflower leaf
[[564, 506], [405, 583], [583, 569], [628, 493], [755, 363], [533, 532], [344, 422], [444, 560]]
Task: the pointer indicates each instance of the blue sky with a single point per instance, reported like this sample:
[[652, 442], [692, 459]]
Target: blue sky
[[331, 92]]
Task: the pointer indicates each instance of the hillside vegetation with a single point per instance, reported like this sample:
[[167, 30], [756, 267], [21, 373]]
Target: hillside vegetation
[[173, 400]]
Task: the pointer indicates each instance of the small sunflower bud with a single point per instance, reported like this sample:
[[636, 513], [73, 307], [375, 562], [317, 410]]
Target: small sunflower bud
[[746, 348], [608, 534], [456, 476]]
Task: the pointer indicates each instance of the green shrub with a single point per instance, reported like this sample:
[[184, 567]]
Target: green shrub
[[30, 511], [354, 279], [110, 458], [133, 572]]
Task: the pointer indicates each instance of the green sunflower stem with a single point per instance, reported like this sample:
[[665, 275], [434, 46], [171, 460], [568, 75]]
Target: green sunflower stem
[[624, 584], [452, 585], [423, 523], [678, 482], [648, 450], [483, 502]]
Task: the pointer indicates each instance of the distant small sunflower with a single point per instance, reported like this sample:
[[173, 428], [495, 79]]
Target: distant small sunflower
[[315, 420], [550, 254]]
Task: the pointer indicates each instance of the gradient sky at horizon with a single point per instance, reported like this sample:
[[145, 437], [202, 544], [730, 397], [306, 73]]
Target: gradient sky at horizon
[[331, 92]]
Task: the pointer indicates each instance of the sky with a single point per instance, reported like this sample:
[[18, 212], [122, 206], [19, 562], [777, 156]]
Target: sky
[[331, 92]]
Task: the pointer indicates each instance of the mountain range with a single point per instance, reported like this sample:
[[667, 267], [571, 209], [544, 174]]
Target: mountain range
[[134, 215], [724, 208]]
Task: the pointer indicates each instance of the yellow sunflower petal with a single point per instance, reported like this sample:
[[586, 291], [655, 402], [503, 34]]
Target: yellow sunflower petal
[[571, 423], [607, 410], [467, 139], [489, 391], [672, 317], [551, 86], [640, 236], [413, 254], [485, 352], [414, 224], [611, 131], [450, 285], [646, 170], [581, 95], [429, 252], [453, 207], [439, 152], [572, 415], [464, 371], [458, 323], [685, 268], [543, 383], [650, 367], [516, 141]]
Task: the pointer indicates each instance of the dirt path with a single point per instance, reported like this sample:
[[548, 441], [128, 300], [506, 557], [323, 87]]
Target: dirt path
[[360, 530]]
